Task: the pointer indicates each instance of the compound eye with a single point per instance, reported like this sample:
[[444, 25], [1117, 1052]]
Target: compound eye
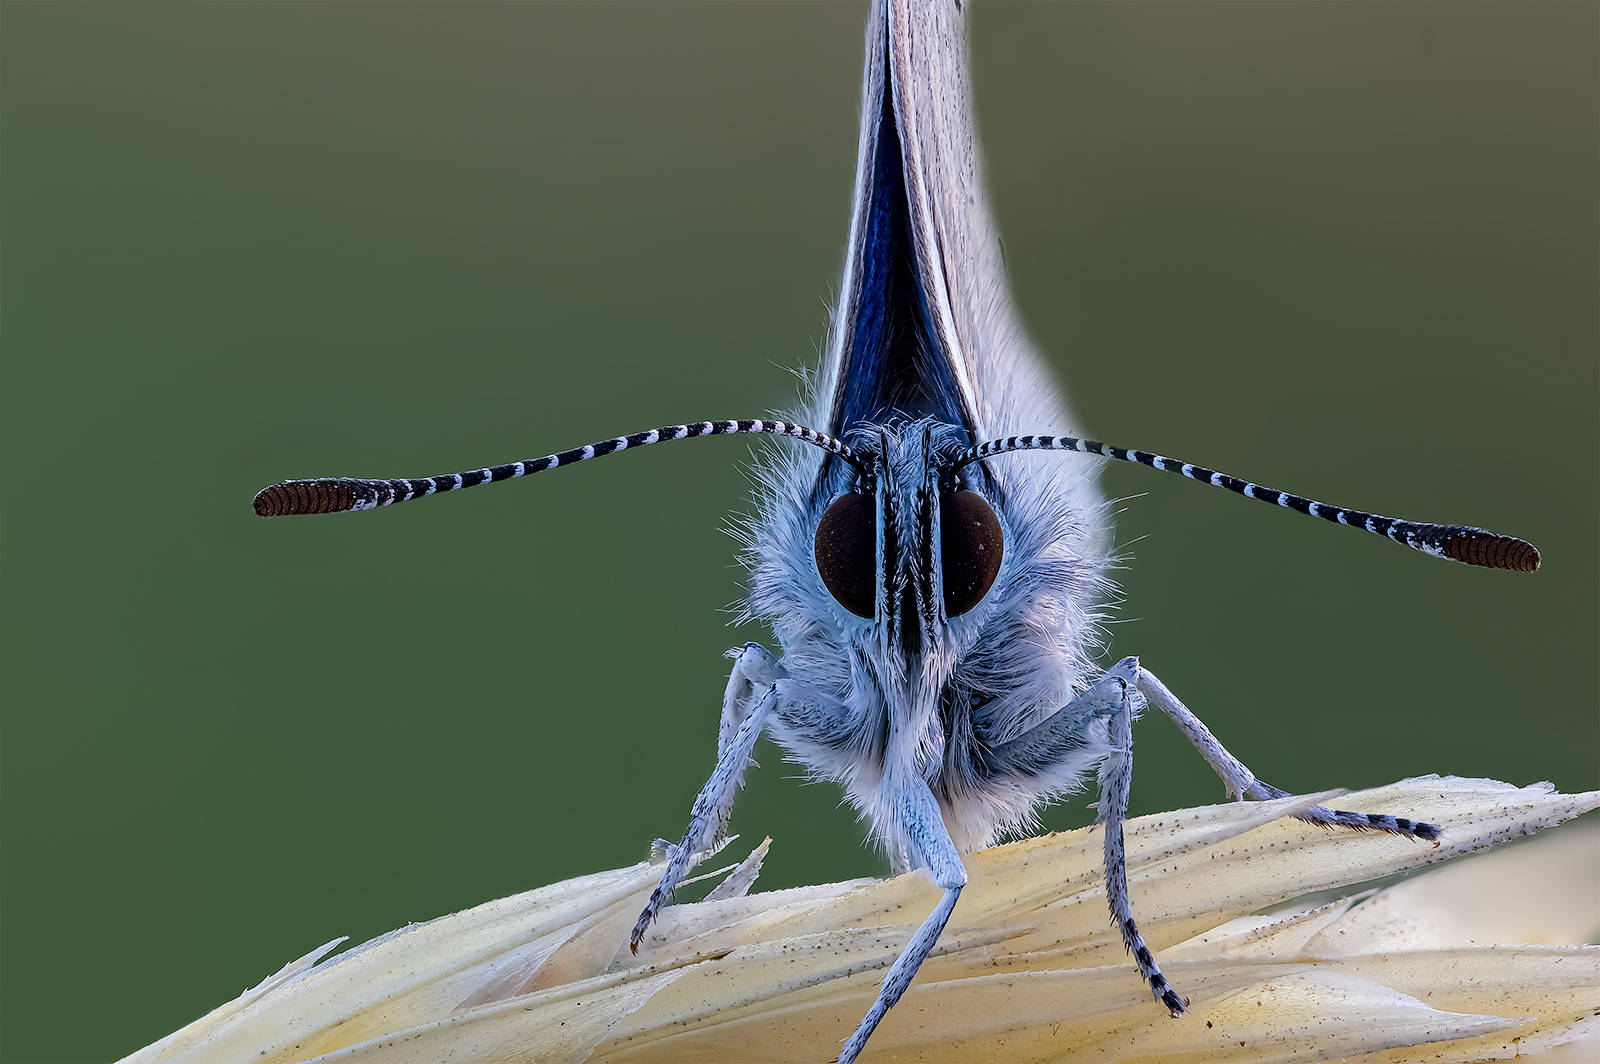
[[970, 548], [846, 549]]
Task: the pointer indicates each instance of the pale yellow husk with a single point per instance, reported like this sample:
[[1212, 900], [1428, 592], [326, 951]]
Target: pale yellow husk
[[1029, 969]]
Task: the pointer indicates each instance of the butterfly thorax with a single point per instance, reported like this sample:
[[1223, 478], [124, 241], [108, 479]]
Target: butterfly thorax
[[928, 681]]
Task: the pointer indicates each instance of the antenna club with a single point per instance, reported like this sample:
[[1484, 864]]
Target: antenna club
[[304, 497], [1492, 551]]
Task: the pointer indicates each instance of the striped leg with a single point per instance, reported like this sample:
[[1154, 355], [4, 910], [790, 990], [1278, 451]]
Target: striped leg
[[1116, 780], [1239, 782], [709, 818], [754, 670]]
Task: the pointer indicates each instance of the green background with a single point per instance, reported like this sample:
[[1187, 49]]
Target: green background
[[1346, 250]]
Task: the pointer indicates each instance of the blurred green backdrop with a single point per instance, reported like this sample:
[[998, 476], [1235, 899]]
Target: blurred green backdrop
[[1348, 250]]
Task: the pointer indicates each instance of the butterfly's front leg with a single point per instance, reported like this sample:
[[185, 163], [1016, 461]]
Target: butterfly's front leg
[[1239, 782], [927, 843], [751, 695]]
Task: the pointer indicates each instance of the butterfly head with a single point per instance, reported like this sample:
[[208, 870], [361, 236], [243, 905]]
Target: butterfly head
[[912, 549]]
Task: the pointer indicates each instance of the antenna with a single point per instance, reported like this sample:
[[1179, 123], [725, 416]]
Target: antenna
[[332, 495], [1461, 543]]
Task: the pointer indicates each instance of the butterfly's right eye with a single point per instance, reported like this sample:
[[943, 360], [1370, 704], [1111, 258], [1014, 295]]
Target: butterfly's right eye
[[846, 549]]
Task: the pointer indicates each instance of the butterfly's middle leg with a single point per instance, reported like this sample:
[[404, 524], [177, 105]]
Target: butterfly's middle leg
[[1095, 728], [752, 693]]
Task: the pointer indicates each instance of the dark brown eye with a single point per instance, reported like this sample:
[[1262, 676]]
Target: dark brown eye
[[970, 547], [846, 548]]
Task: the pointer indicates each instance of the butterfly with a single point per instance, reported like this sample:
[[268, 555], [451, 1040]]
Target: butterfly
[[933, 581]]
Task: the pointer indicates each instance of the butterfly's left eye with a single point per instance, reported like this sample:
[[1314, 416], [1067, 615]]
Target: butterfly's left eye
[[970, 547], [846, 551]]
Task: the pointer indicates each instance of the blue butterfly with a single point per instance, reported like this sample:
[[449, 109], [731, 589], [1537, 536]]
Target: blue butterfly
[[935, 592]]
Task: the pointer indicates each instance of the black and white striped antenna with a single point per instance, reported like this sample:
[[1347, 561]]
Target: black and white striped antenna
[[1461, 543], [331, 495]]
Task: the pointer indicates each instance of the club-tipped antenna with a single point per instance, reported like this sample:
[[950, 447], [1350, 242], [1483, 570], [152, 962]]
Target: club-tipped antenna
[[331, 495], [1461, 543]]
